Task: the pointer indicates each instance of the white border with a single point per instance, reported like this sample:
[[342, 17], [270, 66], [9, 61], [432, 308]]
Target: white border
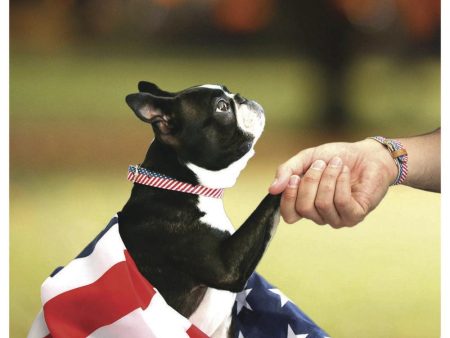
[[445, 200], [4, 174]]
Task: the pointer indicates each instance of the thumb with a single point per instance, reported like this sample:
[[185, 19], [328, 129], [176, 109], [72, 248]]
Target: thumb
[[294, 166], [281, 180]]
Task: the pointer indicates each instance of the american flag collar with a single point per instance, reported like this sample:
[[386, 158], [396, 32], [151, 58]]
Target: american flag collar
[[144, 176]]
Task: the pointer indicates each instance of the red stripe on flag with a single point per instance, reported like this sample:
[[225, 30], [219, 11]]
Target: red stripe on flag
[[146, 179], [152, 181], [177, 185], [171, 184], [194, 332], [81, 311], [159, 182], [184, 187]]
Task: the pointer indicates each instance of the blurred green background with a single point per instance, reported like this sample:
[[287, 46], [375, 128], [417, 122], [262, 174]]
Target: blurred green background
[[72, 137]]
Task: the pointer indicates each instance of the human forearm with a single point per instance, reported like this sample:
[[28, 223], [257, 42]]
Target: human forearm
[[424, 161], [344, 192]]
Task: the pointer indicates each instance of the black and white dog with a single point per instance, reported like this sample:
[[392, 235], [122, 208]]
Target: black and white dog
[[184, 244]]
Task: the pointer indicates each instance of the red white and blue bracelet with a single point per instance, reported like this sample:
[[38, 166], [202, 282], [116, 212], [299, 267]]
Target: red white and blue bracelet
[[398, 153]]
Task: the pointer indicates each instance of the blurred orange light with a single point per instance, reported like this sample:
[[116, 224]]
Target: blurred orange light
[[243, 16]]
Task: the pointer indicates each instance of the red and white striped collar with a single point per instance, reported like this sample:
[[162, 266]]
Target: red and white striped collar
[[144, 176]]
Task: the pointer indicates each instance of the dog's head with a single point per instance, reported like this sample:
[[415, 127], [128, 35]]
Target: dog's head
[[212, 130]]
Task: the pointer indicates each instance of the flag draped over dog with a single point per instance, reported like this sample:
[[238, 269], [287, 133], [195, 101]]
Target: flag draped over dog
[[101, 294]]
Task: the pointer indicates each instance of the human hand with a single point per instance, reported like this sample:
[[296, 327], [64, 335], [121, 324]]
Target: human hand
[[335, 183]]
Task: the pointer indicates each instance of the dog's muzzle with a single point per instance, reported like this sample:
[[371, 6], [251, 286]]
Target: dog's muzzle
[[250, 117]]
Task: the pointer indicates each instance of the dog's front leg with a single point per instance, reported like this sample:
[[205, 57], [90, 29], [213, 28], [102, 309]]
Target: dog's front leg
[[226, 262], [242, 251]]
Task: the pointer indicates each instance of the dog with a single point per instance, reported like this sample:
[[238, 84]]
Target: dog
[[184, 243], [172, 246]]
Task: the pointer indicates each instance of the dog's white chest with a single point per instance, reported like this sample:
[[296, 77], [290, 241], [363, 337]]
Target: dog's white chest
[[213, 316], [215, 214]]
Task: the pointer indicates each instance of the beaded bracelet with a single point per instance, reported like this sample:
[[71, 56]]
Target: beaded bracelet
[[398, 153]]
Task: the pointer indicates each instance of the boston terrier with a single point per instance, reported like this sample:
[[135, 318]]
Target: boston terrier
[[183, 243]]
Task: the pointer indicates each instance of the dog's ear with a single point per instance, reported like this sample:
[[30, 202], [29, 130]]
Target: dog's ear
[[156, 110], [148, 87]]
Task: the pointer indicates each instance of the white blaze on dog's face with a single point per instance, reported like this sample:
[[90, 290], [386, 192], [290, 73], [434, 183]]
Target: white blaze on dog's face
[[212, 130], [250, 119]]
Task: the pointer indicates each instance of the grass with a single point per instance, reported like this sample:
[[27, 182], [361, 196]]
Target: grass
[[379, 279], [382, 94]]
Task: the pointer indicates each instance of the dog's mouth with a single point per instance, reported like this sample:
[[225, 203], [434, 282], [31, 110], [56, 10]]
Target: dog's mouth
[[245, 147]]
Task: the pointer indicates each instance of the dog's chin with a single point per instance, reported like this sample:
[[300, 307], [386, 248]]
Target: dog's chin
[[226, 177], [223, 178]]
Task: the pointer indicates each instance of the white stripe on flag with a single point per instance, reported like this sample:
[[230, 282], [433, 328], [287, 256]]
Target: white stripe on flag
[[172, 184], [202, 190], [152, 180], [158, 320], [196, 189], [159, 182], [185, 187], [178, 186], [86, 270], [39, 328], [164, 184], [146, 179]]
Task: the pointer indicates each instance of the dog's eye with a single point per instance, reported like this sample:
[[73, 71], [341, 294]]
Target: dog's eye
[[222, 106]]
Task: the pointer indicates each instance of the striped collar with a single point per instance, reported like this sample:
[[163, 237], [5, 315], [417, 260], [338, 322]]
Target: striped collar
[[144, 176]]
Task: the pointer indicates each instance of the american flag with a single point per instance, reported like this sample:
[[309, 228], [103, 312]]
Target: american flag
[[102, 294]]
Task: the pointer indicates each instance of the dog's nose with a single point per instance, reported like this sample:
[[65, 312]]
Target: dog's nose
[[239, 99]]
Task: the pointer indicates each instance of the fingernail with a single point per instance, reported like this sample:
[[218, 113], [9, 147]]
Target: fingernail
[[293, 181], [275, 181], [318, 165], [336, 162]]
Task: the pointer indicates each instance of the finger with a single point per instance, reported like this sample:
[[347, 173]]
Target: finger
[[350, 211], [324, 201], [307, 192], [294, 166], [287, 206]]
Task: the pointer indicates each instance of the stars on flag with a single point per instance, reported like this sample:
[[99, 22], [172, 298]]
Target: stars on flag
[[263, 311], [291, 334], [283, 298], [241, 300]]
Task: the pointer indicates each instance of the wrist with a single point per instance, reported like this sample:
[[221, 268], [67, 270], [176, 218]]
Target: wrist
[[387, 163], [398, 154]]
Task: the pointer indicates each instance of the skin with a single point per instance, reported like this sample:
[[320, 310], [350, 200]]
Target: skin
[[341, 183]]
